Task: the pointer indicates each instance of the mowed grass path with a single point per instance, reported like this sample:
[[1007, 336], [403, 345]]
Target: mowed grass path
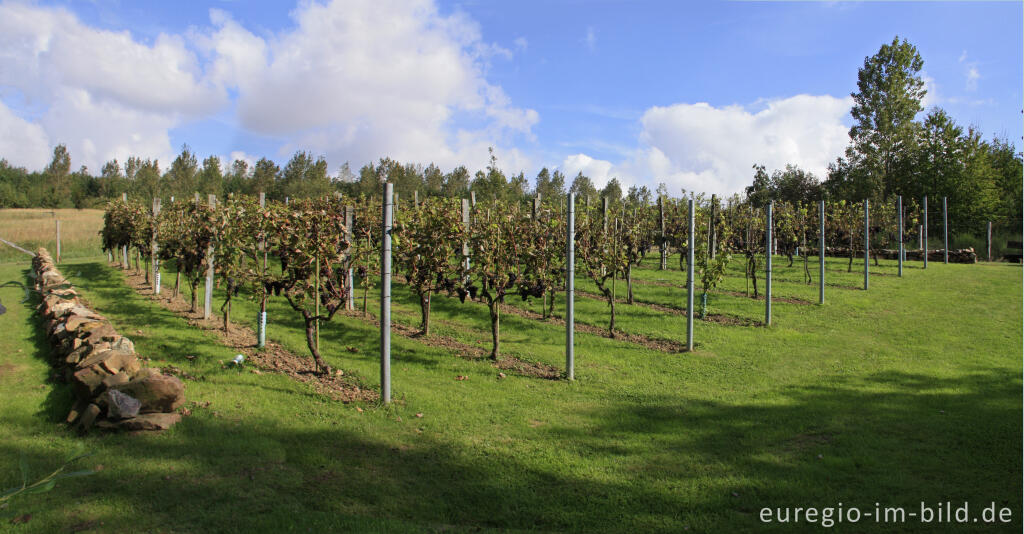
[[906, 393]]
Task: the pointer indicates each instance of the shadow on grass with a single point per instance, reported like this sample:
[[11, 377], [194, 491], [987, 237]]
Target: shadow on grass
[[631, 462], [641, 463]]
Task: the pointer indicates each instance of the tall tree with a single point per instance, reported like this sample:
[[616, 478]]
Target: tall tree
[[210, 179], [583, 187], [889, 95], [181, 177], [58, 174], [264, 179]]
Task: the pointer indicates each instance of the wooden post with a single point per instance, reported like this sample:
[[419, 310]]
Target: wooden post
[[208, 298], [58, 241]]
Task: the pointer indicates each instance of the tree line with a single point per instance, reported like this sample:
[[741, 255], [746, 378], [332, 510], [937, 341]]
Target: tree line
[[890, 153], [893, 153]]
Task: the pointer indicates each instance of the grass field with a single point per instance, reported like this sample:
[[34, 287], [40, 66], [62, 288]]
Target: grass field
[[907, 393], [34, 228]]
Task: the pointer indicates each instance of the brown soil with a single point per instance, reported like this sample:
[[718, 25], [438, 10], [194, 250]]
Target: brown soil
[[728, 320], [663, 345], [467, 351], [272, 358], [788, 300]]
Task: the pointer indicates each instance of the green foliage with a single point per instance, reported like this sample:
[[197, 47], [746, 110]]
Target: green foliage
[[48, 482], [426, 250], [497, 253]]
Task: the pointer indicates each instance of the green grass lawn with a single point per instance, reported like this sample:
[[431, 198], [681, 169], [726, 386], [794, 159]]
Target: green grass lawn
[[906, 393]]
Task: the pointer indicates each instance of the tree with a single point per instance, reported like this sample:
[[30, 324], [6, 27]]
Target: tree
[[612, 191], [602, 253], [310, 235], [210, 179], [238, 178], [888, 97], [57, 176], [583, 187], [305, 177], [180, 179], [550, 186], [456, 183], [497, 258], [264, 179], [425, 249]]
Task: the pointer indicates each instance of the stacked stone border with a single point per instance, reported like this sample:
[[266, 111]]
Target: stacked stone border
[[112, 389]]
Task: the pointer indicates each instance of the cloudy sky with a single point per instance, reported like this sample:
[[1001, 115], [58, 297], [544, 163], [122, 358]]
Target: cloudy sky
[[690, 94]]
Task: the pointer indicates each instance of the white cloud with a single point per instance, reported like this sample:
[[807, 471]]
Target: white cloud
[[22, 143], [361, 80], [931, 96], [353, 80], [521, 44], [704, 148], [598, 170], [101, 93], [971, 72]]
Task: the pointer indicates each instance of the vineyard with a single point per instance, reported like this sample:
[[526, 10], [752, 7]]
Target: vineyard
[[312, 253], [877, 395]]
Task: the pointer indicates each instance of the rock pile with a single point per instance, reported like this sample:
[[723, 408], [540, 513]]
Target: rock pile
[[112, 389]]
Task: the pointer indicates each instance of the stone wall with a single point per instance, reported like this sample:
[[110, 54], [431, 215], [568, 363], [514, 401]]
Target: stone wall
[[112, 389]]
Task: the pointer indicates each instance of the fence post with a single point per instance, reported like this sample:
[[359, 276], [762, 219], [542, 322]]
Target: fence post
[[385, 296], [208, 297], [988, 239], [924, 231], [570, 287], [156, 248], [58, 240], [867, 243], [712, 237], [768, 267], [663, 248], [124, 249], [899, 232], [465, 243], [821, 253], [689, 275], [261, 318], [945, 232], [350, 302]]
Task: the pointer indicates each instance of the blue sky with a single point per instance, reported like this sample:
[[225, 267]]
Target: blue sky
[[690, 94]]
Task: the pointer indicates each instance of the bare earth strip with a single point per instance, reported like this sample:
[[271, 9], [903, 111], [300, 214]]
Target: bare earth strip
[[272, 358]]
